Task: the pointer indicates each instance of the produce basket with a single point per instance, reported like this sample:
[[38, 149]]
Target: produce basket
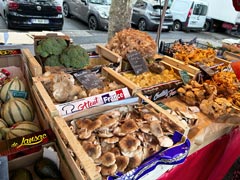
[[86, 165]]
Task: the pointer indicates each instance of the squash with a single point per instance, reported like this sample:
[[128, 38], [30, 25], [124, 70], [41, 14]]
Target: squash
[[21, 129], [16, 110], [14, 84], [3, 123]]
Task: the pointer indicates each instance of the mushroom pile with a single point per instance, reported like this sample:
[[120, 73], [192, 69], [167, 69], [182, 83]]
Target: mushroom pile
[[120, 139], [63, 87]]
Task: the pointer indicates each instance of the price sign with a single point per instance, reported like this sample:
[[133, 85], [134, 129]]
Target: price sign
[[206, 69], [137, 62], [184, 76], [88, 79]]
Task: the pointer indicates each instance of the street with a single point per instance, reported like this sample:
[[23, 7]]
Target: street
[[80, 34]]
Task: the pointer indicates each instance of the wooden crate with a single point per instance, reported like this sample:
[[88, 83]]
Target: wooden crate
[[61, 124], [155, 92], [231, 56], [46, 103]]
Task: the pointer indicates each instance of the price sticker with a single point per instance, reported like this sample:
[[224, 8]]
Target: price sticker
[[137, 62], [88, 79], [184, 76]]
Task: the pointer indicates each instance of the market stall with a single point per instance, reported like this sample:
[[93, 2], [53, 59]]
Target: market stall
[[127, 112]]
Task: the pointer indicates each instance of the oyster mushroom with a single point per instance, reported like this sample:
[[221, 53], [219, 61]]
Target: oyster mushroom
[[129, 126], [109, 171], [108, 159], [104, 133], [145, 128], [129, 143], [93, 150], [122, 163]]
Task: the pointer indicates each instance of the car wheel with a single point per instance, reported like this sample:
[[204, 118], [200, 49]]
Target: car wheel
[[92, 23], [177, 26], [66, 10], [206, 26], [142, 25]]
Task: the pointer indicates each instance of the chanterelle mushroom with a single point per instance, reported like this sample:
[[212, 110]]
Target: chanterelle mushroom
[[129, 143], [108, 159]]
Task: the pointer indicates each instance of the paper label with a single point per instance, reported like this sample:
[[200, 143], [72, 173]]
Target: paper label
[[86, 103]]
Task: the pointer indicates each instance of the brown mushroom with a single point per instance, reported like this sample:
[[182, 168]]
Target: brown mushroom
[[129, 143], [118, 132], [108, 159], [150, 117], [134, 162], [104, 133], [115, 151], [109, 171], [93, 150], [88, 124], [111, 140], [129, 126], [156, 129], [122, 163], [107, 121], [84, 134]]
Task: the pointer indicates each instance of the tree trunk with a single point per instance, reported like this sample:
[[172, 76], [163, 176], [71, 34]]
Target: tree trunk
[[119, 16]]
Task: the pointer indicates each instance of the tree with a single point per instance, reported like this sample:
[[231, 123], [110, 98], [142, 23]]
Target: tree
[[119, 16]]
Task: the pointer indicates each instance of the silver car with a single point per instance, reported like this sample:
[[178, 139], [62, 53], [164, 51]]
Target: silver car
[[94, 12], [146, 16]]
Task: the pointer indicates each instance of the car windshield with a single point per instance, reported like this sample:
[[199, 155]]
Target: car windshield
[[104, 2]]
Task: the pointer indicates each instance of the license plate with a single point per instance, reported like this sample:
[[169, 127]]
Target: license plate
[[164, 27], [40, 21]]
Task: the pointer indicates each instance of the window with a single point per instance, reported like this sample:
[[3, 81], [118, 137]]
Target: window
[[200, 9]]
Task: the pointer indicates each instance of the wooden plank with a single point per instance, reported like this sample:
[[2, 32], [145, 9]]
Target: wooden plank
[[108, 54], [231, 56], [218, 60], [132, 86], [180, 65], [43, 96], [85, 161], [34, 66]]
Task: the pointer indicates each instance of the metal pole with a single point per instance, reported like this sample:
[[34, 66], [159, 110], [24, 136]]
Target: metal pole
[[161, 22]]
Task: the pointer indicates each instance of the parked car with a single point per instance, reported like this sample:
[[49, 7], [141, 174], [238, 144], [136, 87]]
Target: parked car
[[147, 13], [93, 12], [31, 14]]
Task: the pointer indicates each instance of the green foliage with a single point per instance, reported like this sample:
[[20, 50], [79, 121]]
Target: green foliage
[[51, 46], [52, 61], [74, 56]]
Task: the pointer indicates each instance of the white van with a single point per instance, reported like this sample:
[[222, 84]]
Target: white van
[[189, 14]]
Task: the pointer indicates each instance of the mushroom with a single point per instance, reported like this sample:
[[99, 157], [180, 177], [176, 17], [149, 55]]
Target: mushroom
[[122, 163], [156, 129], [115, 151], [145, 128], [109, 171], [104, 133], [133, 153], [134, 162], [108, 159], [107, 121], [111, 140], [106, 146], [114, 114], [150, 117], [129, 143], [84, 134], [165, 141], [118, 132], [129, 126], [89, 124], [93, 150]]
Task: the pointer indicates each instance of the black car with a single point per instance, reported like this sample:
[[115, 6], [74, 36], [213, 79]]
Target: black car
[[32, 14]]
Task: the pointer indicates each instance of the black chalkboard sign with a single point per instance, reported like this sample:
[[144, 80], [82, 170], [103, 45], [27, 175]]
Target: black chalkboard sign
[[88, 79], [137, 62]]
